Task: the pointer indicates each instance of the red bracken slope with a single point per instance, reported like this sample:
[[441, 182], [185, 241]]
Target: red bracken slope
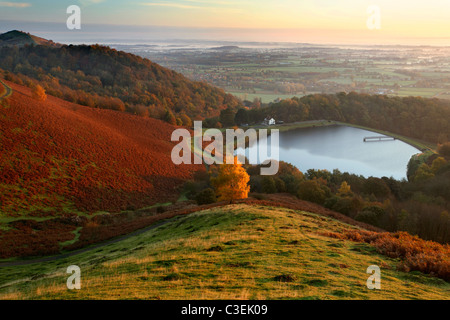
[[58, 156]]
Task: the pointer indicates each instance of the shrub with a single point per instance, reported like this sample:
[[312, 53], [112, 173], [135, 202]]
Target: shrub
[[371, 215], [444, 149], [268, 185], [206, 196], [376, 186], [39, 93], [281, 186], [344, 206], [160, 209], [415, 254], [259, 196], [313, 191]]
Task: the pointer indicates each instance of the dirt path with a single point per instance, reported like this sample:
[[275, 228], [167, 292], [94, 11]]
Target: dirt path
[[73, 253], [8, 91]]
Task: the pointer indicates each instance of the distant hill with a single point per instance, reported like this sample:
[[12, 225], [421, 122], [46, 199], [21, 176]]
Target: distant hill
[[58, 157], [225, 48], [19, 38], [101, 77]]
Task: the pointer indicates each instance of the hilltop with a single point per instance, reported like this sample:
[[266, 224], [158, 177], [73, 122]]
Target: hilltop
[[101, 77], [231, 252], [20, 38]]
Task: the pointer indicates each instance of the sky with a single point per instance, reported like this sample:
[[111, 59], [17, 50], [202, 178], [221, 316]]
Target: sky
[[312, 21]]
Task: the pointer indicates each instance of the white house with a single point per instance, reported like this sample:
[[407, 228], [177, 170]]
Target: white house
[[269, 121]]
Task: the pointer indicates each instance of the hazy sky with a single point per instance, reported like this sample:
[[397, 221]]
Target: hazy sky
[[328, 21]]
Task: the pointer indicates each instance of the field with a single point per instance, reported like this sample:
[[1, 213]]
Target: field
[[234, 252], [278, 71]]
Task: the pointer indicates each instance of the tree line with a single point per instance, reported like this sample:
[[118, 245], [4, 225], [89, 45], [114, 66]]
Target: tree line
[[98, 76], [415, 117]]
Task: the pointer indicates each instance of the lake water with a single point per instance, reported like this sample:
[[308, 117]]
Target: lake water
[[343, 148]]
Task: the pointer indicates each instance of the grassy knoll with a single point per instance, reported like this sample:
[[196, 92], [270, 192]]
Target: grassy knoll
[[232, 252]]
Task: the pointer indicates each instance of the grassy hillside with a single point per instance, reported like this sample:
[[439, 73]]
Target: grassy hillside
[[232, 252]]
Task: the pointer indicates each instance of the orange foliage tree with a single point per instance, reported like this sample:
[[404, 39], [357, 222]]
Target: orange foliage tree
[[231, 183], [39, 93]]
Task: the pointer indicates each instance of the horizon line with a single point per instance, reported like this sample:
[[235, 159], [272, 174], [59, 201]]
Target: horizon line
[[352, 40]]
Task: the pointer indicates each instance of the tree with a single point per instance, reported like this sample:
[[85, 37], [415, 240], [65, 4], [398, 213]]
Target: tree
[[231, 182], [376, 186], [371, 215], [344, 190], [187, 122], [227, 117], [423, 173], [206, 196], [437, 164], [39, 93], [444, 149], [241, 117], [170, 118], [268, 185], [313, 191]]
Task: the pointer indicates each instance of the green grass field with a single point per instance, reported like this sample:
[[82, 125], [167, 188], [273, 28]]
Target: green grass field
[[265, 97], [419, 92], [231, 252]]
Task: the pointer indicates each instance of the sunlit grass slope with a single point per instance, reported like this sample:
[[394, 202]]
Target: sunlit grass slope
[[231, 252]]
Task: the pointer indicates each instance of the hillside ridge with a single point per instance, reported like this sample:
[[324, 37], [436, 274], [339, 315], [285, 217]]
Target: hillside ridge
[[91, 158], [236, 251], [20, 38], [102, 77]]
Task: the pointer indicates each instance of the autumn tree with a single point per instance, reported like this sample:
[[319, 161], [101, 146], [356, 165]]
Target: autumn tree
[[170, 118], [437, 164], [39, 93], [227, 117], [423, 173], [187, 122], [444, 149], [231, 182], [313, 191], [344, 190]]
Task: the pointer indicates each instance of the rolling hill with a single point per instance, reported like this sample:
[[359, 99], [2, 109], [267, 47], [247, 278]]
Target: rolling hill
[[59, 157], [98, 76], [19, 38], [239, 251]]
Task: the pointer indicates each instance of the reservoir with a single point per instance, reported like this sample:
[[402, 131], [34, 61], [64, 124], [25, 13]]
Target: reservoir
[[343, 148]]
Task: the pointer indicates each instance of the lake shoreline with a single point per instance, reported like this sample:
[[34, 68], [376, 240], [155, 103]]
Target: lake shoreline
[[316, 142], [421, 146]]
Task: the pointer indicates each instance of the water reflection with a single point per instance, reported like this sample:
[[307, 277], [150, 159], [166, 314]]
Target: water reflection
[[343, 148]]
